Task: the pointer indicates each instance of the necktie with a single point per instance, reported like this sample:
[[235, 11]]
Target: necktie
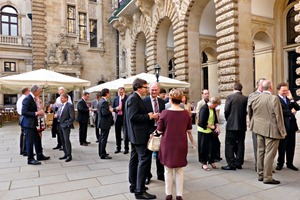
[[156, 108], [284, 99], [120, 106]]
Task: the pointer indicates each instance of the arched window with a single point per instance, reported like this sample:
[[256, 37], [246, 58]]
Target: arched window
[[290, 26], [9, 21]]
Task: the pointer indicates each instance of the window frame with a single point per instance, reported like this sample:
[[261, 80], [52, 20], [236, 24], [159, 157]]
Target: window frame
[[71, 19], [93, 43], [8, 22], [82, 26], [10, 66]]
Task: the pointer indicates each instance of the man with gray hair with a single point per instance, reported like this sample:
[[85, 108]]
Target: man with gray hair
[[266, 120], [29, 123]]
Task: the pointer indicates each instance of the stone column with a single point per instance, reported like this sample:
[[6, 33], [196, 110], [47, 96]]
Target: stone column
[[227, 34], [38, 33]]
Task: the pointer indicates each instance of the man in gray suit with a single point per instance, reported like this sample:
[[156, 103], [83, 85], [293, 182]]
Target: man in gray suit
[[235, 114], [65, 119], [105, 120], [250, 97], [266, 120]]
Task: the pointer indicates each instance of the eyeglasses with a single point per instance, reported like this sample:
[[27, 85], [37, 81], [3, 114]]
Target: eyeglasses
[[145, 87]]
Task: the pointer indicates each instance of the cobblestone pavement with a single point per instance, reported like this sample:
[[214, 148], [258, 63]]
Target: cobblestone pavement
[[88, 177]]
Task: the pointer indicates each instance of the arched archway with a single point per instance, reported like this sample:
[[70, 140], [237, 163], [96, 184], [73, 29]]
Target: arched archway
[[263, 56], [141, 55], [165, 45]]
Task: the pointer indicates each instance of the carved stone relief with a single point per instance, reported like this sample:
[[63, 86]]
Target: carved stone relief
[[92, 11], [81, 5]]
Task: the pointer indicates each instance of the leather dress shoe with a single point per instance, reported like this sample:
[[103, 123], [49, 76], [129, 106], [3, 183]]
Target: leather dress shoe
[[278, 167], [292, 167], [69, 158], [147, 181], [239, 166], [272, 182], [33, 162], [227, 167], [169, 197], [162, 178], [57, 147], [117, 151], [62, 158], [144, 195], [88, 142], [106, 157], [179, 198], [84, 144], [260, 178], [126, 152], [42, 157], [132, 190], [61, 149]]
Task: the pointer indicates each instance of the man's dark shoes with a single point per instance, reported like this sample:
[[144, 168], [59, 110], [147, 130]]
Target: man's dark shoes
[[62, 158], [42, 157], [57, 147], [260, 178], [69, 158], [61, 149], [117, 151], [292, 167], [169, 197], [275, 182], [144, 195], [239, 166], [278, 167], [147, 181], [33, 162], [161, 178], [227, 167], [88, 142], [126, 152], [106, 157], [84, 144]]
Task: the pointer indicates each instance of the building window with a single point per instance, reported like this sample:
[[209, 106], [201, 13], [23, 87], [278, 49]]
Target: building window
[[9, 66], [10, 99], [290, 26], [172, 68], [82, 26], [9, 21], [93, 33], [71, 19]]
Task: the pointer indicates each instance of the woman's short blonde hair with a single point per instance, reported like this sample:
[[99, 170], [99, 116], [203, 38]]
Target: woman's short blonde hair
[[176, 96], [215, 100]]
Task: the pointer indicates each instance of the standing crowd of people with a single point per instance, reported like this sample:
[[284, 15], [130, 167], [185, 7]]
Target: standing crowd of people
[[271, 120]]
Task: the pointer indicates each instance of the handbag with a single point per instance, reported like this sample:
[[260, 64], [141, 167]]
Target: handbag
[[154, 142]]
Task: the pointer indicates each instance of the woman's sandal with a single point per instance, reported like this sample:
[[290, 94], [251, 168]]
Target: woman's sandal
[[213, 165], [205, 168]]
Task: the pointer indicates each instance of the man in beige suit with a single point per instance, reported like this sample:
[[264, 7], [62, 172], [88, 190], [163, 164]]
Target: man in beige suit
[[266, 120]]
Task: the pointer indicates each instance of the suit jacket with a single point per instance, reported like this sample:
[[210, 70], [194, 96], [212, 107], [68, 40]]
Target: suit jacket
[[83, 112], [67, 116], [149, 108], [204, 115], [136, 120], [116, 104], [236, 112], [289, 118], [266, 116], [29, 107], [105, 117]]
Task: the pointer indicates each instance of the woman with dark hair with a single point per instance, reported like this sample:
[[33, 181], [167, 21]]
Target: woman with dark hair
[[175, 125], [207, 126]]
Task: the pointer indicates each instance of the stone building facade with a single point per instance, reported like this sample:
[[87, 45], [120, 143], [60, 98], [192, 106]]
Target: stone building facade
[[72, 37], [209, 43]]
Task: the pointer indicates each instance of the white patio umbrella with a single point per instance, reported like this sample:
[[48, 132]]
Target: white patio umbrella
[[48, 80], [164, 82], [111, 85]]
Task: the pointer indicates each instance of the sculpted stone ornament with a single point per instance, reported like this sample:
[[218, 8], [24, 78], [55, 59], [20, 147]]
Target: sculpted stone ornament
[[117, 25], [125, 20], [145, 6]]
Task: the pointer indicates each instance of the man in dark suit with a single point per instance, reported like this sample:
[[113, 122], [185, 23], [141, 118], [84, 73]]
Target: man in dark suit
[[235, 114], [266, 120], [287, 145], [83, 114], [155, 105], [119, 108], [29, 123], [136, 128], [105, 120], [65, 121]]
